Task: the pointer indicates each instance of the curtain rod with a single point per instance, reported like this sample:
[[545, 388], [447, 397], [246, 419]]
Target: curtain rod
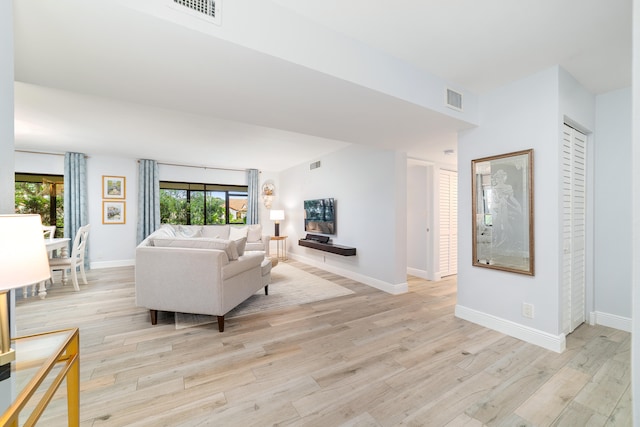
[[203, 167], [44, 152]]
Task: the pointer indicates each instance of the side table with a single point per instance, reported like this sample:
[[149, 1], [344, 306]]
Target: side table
[[281, 244], [50, 356]]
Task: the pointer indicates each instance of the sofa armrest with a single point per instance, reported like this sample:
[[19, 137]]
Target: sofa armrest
[[266, 239]]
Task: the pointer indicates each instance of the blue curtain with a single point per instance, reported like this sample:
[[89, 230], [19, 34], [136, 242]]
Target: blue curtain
[[148, 198], [253, 176], [76, 208]]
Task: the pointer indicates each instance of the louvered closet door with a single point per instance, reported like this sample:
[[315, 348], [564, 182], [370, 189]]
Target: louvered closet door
[[448, 223], [573, 228]]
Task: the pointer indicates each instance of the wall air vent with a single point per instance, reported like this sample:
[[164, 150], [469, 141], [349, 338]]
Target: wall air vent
[[454, 99], [314, 165], [208, 9]]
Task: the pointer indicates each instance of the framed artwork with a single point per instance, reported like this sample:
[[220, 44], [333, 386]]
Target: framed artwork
[[113, 187], [113, 212], [502, 204]]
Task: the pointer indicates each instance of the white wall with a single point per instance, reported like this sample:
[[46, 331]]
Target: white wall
[[524, 114], [613, 186], [369, 186], [423, 222], [635, 343], [112, 245], [6, 152], [418, 217], [6, 109]]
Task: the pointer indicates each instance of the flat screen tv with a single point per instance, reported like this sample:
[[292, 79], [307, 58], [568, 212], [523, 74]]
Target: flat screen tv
[[320, 216]]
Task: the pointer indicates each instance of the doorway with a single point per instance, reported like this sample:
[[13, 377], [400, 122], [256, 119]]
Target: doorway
[[574, 179]]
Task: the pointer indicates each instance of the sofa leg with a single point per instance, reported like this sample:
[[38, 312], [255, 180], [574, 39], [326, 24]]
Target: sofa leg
[[154, 316], [266, 290], [221, 323]]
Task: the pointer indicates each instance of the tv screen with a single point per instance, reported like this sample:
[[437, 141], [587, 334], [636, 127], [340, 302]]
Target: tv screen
[[320, 216]]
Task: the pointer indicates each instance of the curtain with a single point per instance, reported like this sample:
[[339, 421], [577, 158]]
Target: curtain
[[76, 209], [253, 196], [148, 198]]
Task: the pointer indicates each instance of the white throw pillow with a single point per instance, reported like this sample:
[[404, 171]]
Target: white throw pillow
[[236, 233], [240, 245], [188, 231], [254, 233], [167, 230]]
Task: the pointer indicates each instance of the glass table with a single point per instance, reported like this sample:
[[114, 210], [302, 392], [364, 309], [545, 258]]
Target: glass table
[[43, 362]]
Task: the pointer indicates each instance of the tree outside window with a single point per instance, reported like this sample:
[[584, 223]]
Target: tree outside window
[[42, 195], [200, 204]]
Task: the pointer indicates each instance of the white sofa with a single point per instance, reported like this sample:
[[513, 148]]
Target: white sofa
[[201, 269]]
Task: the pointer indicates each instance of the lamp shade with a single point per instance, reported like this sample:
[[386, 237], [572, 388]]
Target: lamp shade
[[23, 255], [276, 215]]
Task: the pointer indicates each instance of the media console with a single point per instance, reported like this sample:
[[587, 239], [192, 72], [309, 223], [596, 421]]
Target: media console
[[321, 243]]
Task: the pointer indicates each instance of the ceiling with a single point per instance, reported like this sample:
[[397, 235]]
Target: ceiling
[[109, 78]]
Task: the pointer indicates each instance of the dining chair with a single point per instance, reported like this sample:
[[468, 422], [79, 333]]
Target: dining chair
[[76, 260], [49, 231]]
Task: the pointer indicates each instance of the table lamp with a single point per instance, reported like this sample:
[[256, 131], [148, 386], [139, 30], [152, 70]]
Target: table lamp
[[277, 216], [23, 261]]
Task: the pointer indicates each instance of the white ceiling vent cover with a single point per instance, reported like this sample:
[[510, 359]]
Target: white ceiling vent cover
[[454, 99], [207, 9]]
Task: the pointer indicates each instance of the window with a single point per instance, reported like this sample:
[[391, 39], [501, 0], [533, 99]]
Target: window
[[199, 204], [43, 195]]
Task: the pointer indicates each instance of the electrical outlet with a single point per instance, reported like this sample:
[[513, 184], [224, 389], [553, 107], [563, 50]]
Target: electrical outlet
[[527, 310]]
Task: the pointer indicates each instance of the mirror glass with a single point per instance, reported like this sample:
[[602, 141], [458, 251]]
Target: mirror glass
[[503, 212]]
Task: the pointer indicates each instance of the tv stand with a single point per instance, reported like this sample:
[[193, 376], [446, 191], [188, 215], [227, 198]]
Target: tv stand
[[322, 243]]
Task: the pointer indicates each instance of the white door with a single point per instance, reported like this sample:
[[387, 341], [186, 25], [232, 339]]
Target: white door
[[448, 202], [573, 228]]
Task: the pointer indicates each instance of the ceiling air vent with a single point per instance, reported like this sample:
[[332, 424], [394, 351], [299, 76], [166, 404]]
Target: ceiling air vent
[[454, 100], [209, 9], [314, 165]]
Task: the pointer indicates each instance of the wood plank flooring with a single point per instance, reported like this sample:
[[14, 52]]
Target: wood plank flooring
[[366, 359]]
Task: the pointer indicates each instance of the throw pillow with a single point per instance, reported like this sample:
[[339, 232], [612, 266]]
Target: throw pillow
[[236, 233], [167, 230], [188, 231], [240, 245], [254, 233]]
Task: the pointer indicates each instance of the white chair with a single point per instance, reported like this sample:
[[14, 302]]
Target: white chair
[[49, 231], [76, 260]]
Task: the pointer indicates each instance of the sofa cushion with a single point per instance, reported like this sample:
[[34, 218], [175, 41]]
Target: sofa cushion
[[254, 246], [245, 263], [229, 246], [254, 233]]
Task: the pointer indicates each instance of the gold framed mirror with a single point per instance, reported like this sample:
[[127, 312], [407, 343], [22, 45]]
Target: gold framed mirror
[[502, 205]]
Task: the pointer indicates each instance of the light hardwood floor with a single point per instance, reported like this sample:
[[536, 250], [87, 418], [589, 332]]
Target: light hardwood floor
[[366, 359]]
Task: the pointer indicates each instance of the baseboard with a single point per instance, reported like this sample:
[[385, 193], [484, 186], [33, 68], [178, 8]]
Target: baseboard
[[551, 342], [394, 289], [112, 264], [611, 321], [418, 273]]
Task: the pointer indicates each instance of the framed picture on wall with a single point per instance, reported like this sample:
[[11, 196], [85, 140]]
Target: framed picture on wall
[[113, 187], [114, 212]]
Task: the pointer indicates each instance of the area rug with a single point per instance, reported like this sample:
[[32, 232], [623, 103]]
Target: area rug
[[289, 286]]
